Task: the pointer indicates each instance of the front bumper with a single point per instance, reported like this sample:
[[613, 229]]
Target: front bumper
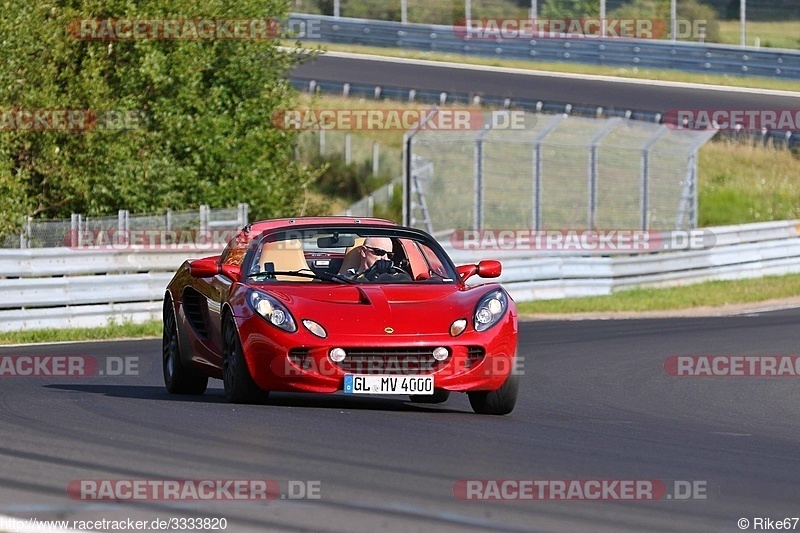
[[299, 362]]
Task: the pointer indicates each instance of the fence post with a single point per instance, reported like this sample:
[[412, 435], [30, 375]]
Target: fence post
[[321, 143], [375, 158], [694, 215], [25, 234], [370, 205], [408, 168], [645, 186], [592, 222], [537, 171], [480, 161], [347, 150], [122, 230], [242, 215], [204, 218], [73, 230]]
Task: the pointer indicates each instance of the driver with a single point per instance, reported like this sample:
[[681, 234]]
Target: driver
[[376, 258]]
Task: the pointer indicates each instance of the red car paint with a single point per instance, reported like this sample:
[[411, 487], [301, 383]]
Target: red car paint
[[384, 316]]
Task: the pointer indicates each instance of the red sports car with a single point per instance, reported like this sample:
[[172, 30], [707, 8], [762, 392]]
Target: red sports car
[[331, 304]]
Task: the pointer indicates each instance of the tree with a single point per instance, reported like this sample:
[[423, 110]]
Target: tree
[[569, 9], [199, 109]]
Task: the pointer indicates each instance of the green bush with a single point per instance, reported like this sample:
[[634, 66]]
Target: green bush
[[346, 181], [205, 136], [689, 10]]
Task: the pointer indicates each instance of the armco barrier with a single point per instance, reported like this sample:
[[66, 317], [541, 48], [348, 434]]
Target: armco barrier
[[684, 56], [60, 287]]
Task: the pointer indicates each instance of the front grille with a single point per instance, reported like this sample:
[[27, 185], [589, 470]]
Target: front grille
[[475, 355], [413, 360], [298, 356]]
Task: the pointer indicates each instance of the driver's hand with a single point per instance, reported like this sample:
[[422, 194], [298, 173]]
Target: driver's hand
[[382, 266]]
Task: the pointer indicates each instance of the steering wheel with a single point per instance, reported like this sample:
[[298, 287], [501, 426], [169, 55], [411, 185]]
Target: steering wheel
[[380, 273]]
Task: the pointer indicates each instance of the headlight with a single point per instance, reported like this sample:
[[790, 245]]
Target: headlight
[[272, 311], [490, 310]]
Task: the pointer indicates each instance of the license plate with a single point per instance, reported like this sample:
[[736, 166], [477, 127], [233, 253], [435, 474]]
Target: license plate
[[377, 384]]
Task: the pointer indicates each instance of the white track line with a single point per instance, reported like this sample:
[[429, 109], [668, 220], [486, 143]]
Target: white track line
[[566, 75]]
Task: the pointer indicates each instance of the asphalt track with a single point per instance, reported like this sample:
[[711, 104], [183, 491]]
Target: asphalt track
[[621, 94], [596, 403]]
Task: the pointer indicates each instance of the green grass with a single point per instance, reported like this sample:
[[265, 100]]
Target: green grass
[[710, 294], [782, 34], [742, 182], [575, 68], [112, 331]]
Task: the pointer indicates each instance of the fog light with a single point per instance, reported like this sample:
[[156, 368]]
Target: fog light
[[440, 354], [337, 355]]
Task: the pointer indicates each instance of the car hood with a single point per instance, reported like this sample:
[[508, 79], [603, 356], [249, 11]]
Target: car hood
[[369, 309]]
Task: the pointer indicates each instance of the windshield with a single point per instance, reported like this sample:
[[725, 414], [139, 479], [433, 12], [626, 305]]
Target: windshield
[[348, 255]]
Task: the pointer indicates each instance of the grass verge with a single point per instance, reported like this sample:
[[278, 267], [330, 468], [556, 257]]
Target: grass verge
[[572, 68], [777, 34], [709, 294], [112, 331]]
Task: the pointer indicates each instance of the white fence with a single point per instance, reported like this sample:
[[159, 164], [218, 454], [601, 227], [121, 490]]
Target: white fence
[[61, 287]]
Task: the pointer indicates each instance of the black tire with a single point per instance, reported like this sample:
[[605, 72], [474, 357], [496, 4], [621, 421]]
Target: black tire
[[496, 402], [177, 378], [236, 378], [438, 396]]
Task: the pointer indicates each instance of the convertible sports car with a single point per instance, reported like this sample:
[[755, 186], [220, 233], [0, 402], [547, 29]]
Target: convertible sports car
[[330, 304]]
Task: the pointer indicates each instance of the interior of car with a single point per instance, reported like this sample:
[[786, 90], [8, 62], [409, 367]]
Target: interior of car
[[411, 258]]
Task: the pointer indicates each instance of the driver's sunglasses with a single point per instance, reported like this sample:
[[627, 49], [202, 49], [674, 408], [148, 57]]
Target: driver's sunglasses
[[380, 252]]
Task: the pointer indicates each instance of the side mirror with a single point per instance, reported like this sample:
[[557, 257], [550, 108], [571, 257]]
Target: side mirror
[[484, 269], [231, 271], [490, 269], [203, 268]]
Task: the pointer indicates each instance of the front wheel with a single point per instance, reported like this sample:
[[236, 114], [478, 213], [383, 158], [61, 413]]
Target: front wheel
[[237, 381], [496, 402], [177, 378]]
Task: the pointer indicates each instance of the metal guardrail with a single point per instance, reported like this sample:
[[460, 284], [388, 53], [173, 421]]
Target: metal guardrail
[[60, 287], [741, 251], [684, 56]]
